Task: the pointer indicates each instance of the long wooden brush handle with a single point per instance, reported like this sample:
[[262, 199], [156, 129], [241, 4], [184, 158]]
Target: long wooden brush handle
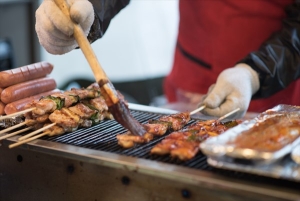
[[116, 106], [85, 46]]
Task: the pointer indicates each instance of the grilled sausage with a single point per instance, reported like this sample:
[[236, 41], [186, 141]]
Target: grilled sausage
[[25, 73], [26, 89], [19, 105], [2, 106]]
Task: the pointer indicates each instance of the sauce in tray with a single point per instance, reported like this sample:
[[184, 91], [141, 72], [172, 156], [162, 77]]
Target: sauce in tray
[[271, 134]]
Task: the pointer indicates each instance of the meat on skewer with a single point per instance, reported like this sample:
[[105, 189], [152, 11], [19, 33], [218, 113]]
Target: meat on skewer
[[65, 120], [78, 115], [181, 149], [185, 144], [89, 109], [157, 127], [58, 100], [86, 108]]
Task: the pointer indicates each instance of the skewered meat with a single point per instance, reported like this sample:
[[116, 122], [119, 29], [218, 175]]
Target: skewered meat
[[185, 150], [128, 139], [92, 92], [79, 115], [58, 100], [184, 144], [19, 105], [177, 120], [69, 110], [99, 104], [82, 110], [43, 118], [65, 119], [42, 107], [54, 130], [155, 127], [86, 123], [68, 99]]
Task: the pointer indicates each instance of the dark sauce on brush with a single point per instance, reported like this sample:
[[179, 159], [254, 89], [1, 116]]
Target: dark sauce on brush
[[123, 116]]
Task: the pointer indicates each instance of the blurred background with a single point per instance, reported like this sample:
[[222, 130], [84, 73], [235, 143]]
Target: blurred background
[[136, 52]]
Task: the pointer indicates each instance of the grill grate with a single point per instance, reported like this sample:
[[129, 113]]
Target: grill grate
[[102, 137]]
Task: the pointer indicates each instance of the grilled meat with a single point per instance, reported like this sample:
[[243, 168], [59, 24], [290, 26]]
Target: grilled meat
[[69, 110], [82, 110], [66, 119], [44, 106], [184, 144], [271, 134], [155, 127], [128, 139], [54, 130], [177, 120], [43, 118], [58, 100], [85, 93]]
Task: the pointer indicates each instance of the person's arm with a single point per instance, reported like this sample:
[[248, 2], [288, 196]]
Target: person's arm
[[278, 59], [104, 10], [262, 73]]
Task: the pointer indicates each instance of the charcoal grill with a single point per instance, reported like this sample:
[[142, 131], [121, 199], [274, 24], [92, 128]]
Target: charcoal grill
[[88, 164]]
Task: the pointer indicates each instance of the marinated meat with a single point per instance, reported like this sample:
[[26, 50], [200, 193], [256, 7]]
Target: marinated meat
[[271, 134]]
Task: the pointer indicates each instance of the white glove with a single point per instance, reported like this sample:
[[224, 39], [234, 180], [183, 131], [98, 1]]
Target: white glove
[[55, 30], [233, 89]]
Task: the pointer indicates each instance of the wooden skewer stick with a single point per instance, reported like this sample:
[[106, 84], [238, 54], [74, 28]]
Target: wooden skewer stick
[[16, 133], [36, 132], [27, 140], [16, 114], [197, 110], [228, 114], [13, 127], [34, 137]]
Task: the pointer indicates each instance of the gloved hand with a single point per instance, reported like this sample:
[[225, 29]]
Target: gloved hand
[[55, 30], [233, 89]]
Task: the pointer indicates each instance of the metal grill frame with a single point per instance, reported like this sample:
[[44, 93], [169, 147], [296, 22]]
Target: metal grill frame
[[154, 168]]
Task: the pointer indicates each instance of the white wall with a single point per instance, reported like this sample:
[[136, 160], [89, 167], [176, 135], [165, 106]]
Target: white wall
[[138, 44]]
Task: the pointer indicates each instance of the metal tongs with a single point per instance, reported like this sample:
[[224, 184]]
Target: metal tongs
[[116, 105]]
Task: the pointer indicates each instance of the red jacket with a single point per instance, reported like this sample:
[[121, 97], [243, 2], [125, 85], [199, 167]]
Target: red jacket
[[216, 34]]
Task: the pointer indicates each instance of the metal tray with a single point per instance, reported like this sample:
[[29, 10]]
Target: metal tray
[[295, 155], [284, 168], [218, 147]]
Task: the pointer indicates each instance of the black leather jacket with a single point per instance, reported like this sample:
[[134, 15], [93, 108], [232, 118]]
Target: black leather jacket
[[277, 61], [105, 10]]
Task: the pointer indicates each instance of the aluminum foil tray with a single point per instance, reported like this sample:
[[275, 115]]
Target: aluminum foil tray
[[295, 155], [284, 168], [219, 147]]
